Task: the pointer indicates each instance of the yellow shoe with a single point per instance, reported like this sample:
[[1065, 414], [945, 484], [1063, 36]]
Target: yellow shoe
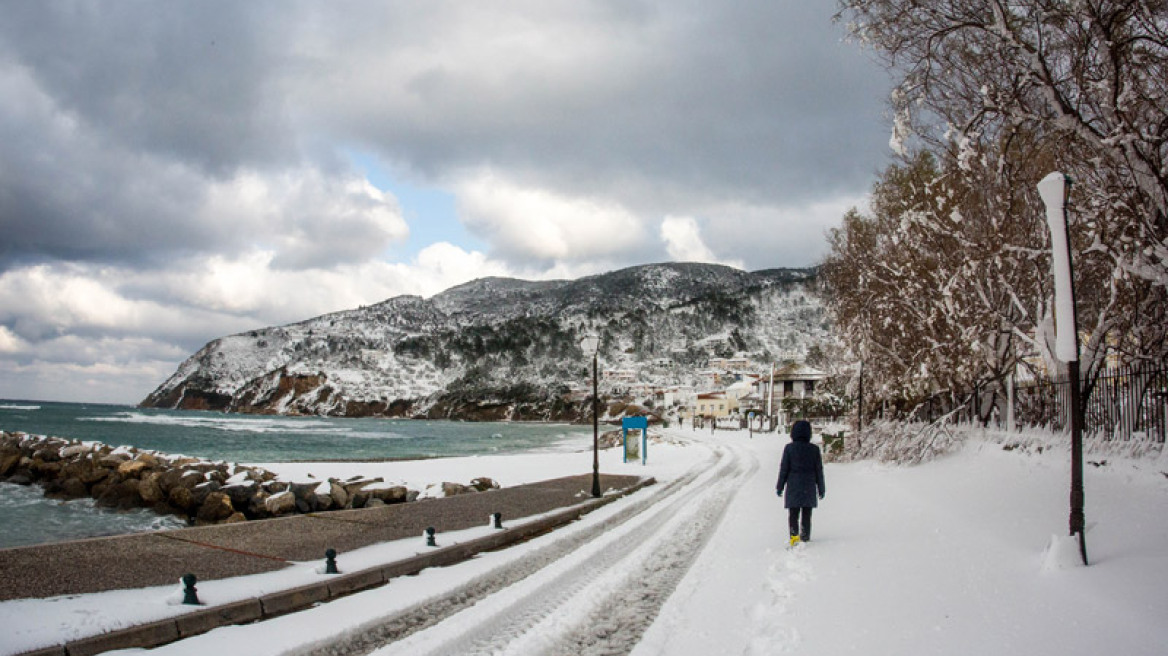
[[795, 540]]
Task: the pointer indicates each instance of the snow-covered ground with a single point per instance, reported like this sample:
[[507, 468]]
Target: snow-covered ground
[[948, 557]]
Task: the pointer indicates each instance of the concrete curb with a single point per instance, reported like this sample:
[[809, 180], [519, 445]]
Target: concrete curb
[[271, 605]]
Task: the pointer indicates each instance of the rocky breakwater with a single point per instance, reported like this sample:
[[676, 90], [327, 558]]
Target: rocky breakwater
[[204, 492]]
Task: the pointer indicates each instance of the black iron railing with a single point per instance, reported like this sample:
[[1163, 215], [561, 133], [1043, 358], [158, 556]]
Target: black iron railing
[[1120, 404]]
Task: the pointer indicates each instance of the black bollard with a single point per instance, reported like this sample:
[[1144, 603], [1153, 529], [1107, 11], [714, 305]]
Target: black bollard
[[189, 590], [330, 561], [430, 541], [497, 520]]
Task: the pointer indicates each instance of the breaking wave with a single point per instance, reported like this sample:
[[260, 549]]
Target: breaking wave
[[30, 518], [245, 424]]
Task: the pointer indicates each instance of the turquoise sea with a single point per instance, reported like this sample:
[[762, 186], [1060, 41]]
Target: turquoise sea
[[26, 517]]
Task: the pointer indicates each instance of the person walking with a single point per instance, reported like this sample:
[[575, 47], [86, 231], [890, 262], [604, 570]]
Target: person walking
[[801, 476]]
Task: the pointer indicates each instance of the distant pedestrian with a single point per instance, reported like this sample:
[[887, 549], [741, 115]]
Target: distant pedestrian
[[801, 476]]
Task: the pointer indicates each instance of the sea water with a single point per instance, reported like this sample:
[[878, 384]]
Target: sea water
[[26, 517]]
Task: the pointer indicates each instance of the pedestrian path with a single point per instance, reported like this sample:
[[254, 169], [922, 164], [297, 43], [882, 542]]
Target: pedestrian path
[[214, 552], [225, 551]]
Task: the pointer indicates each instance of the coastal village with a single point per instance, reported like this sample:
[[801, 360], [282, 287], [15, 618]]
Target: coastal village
[[730, 392]]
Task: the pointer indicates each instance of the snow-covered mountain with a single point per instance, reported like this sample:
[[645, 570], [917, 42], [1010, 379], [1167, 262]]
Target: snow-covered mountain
[[499, 348]]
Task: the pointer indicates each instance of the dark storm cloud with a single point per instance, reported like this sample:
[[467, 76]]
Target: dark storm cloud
[[192, 81], [133, 111], [125, 112], [678, 103]]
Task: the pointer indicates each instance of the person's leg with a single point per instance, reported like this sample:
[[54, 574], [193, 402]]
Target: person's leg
[[805, 534], [793, 521]]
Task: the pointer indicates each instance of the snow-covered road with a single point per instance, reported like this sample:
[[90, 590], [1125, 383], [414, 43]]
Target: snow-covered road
[[598, 591], [945, 557]]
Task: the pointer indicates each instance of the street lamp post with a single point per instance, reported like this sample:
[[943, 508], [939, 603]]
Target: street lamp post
[[1053, 190], [591, 346]]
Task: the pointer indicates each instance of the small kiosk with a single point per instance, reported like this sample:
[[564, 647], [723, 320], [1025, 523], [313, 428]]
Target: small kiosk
[[632, 450]]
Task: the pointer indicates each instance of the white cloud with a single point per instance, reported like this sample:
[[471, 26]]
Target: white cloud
[[776, 236], [308, 219], [64, 327], [683, 240], [533, 223], [117, 381], [10, 342]]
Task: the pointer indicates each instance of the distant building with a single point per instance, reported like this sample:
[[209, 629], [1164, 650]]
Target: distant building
[[715, 404], [730, 364], [793, 380], [682, 395], [740, 389], [619, 376], [707, 379]]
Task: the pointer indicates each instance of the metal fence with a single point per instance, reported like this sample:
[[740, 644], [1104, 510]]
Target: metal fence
[[1121, 404]]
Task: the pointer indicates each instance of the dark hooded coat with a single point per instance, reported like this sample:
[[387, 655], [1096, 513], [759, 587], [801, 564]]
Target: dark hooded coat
[[801, 471]]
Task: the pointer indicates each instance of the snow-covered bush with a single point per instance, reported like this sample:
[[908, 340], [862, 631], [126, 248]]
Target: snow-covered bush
[[899, 442]]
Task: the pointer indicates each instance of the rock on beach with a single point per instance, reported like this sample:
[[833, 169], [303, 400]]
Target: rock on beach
[[203, 492]]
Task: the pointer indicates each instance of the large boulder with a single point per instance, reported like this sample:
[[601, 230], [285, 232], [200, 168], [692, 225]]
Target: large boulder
[[280, 503], [241, 493], [74, 450], [200, 492], [392, 494], [73, 488], [150, 491], [182, 499], [133, 468], [122, 494], [93, 474], [454, 489], [215, 508], [338, 493], [45, 468], [8, 463], [168, 479], [483, 484], [113, 460]]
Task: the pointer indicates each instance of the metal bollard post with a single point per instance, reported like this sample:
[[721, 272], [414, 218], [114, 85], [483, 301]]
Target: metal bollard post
[[497, 520], [430, 541], [330, 561], [189, 590]]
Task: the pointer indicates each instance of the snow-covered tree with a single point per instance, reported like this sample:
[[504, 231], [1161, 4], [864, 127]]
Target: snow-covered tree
[[1090, 74], [1001, 94], [944, 286]]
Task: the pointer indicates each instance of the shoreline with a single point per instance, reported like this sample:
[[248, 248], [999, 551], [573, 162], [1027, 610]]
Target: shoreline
[[201, 491]]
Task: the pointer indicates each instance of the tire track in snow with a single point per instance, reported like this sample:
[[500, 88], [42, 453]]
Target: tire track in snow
[[629, 611], [401, 625], [602, 602]]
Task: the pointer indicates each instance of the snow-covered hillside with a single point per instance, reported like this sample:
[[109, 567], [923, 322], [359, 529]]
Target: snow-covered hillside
[[499, 348]]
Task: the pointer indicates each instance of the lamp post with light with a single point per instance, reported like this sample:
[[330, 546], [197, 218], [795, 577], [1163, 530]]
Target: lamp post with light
[[590, 345]]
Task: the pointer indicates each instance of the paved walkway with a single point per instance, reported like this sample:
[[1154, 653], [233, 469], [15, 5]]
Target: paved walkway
[[214, 552]]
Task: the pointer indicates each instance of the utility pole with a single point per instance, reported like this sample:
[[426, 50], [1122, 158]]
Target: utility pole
[[860, 414], [771, 396], [1053, 190]]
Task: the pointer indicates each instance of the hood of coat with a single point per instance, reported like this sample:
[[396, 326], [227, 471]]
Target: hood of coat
[[801, 431]]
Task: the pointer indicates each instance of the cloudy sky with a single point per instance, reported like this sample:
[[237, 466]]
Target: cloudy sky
[[171, 172]]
